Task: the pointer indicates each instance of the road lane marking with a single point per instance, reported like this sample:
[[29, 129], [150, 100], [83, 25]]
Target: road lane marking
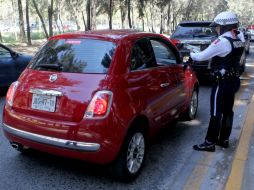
[[196, 178], [235, 178]]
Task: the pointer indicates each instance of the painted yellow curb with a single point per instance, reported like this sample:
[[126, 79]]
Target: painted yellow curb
[[237, 170]]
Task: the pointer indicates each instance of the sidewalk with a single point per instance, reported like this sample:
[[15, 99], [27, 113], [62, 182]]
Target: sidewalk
[[242, 169]]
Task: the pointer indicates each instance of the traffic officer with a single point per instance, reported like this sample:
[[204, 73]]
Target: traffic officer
[[225, 54]]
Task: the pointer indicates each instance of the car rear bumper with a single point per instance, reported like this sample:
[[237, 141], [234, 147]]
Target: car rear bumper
[[61, 143], [88, 140]]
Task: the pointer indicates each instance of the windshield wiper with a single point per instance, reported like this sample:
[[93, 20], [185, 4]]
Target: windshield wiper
[[50, 66]]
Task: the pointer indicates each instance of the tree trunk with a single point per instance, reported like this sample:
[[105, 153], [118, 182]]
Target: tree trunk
[[123, 5], [88, 14], [29, 42], [151, 11], [93, 15], [84, 20], [21, 23], [132, 14], [188, 10], [169, 18], [143, 24], [50, 15], [161, 27], [14, 19], [110, 13], [129, 13], [56, 20], [41, 18], [60, 18], [74, 12]]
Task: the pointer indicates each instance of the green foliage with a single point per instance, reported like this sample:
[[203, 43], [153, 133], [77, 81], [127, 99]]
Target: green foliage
[[146, 14]]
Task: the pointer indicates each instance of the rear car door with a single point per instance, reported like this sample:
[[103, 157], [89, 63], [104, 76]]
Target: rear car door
[[169, 61]]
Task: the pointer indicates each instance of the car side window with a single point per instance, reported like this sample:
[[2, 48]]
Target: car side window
[[4, 53], [142, 56], [163, 54]]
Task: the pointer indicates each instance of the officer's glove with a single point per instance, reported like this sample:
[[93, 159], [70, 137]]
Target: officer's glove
[[187, 60]]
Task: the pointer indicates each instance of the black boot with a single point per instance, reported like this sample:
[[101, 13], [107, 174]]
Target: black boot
[[223, 143], [206, 146]]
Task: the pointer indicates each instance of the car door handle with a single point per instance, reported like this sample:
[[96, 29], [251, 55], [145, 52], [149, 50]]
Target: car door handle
[[162, 85]]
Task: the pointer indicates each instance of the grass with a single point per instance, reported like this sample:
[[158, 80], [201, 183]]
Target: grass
[[11, 37]]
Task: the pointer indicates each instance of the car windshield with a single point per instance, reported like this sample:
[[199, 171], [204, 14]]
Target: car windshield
[[75, 55], [193, 31]]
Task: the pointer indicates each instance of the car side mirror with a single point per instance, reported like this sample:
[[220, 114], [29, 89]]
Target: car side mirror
[[14, 54]]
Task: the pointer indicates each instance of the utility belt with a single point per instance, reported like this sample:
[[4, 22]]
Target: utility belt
[[228, 75]]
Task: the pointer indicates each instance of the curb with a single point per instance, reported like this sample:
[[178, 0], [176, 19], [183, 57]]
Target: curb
[[235, 178]]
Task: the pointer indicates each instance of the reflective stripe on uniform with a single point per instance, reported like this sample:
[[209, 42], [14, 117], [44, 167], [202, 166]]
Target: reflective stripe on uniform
[[215, 101]]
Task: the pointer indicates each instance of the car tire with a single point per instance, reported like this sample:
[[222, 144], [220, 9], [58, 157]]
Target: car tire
[[130, 160], [191, 111]]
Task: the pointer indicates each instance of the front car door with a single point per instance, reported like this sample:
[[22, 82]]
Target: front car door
[[7, 67], [168, 60], [147, 83]]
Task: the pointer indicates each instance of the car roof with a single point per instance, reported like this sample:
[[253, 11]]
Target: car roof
[[195, 23], [109, 35]]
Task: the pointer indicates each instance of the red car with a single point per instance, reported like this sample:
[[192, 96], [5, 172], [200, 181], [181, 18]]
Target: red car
[[99, 96]]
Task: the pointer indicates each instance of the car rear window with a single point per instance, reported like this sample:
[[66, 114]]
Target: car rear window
[[75, 56], [194, 31]]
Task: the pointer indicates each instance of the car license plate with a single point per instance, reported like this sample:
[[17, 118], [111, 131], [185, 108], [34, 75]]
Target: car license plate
[[44, 102]]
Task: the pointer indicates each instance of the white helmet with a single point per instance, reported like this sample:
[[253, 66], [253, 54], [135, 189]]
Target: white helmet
[[225, 18]]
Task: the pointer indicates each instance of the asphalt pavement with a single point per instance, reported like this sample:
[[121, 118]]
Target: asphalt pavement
[[171, 162]]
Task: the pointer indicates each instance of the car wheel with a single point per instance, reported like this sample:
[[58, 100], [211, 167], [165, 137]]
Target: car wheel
[[129, 162], [191, 111]]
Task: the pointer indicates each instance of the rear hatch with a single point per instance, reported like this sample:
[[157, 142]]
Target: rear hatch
[[194, 35], [63, 77]]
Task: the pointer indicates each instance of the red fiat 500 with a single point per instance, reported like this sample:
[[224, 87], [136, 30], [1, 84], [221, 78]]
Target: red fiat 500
[[99, 96]]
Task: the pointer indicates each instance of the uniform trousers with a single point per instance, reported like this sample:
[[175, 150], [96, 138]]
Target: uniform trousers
[[221, 109]]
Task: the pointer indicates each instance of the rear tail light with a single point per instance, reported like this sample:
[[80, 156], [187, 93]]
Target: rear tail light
[[100, 104], [11, 92]]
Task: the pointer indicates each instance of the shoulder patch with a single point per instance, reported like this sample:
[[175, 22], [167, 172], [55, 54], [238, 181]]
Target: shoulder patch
[[216, 41]]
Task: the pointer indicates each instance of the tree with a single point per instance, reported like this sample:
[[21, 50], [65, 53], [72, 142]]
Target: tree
[[29, 42], [88, 14], [141, 5], [75, 8], [41, 18], [106, 7], [21, 23], [129, 13], [110, 13], [123, 11], [93, 14], [50, 16]]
